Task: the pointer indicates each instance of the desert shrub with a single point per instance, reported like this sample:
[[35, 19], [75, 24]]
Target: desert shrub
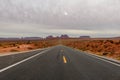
[[101, 41], [82, 49], [36, 44], [0, 45], [29, 48], [105, 46], [118, 58], [88, 45], [111, 41], [18, 47], [13, 50], [28, 42], [96, 46], [108, 53], [99, 50], [105, 53], [117, 43], [14, 45], [4, 47]]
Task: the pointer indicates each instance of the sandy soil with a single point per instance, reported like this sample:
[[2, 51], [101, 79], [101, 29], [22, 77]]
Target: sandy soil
[[109, 48], [23, 47]]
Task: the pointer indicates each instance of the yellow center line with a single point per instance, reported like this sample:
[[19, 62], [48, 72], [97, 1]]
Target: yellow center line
[[64, 59]]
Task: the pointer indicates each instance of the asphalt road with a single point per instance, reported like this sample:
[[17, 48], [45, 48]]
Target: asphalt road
[[62, 63], [11, 59]]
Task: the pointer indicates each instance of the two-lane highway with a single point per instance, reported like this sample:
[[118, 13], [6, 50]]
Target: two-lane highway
[[62, 63]]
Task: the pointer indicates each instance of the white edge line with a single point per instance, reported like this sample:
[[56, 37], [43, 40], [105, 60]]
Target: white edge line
[[103, 59], [14, 53], [108, 61], [15, 64], [95, 56]]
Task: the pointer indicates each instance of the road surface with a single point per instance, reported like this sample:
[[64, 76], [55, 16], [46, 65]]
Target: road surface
[[61, 63]]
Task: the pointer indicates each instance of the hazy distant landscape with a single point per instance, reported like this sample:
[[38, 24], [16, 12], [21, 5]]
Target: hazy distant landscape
[[109, 47]]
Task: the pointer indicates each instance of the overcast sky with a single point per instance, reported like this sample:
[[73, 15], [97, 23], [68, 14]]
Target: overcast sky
[[97, 18]]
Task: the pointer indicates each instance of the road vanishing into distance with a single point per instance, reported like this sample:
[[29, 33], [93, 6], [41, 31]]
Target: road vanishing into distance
[[57, 63]]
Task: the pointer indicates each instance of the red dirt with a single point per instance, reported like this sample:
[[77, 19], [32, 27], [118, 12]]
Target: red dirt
[[109, 48], [103, 47]]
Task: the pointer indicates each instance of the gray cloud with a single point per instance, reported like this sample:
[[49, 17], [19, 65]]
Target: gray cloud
[[74, 17]]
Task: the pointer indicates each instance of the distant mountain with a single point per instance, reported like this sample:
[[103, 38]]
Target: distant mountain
[[85, 37], [52, 37], [116, 37], [31, 38], [49, 37], [6, 39], [64, 36], [23, 38]]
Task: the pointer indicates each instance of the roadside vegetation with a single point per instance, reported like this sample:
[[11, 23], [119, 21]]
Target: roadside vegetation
[[103, 47], [108, 48]]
